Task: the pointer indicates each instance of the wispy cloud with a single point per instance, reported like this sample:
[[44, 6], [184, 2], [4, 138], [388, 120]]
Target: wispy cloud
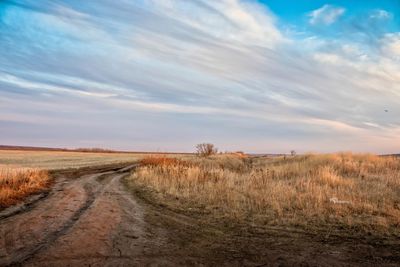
[[391, 45], [381, 14], [326, 15]]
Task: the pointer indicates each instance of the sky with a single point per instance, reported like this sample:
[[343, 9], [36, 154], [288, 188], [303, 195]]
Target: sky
[[164, 75]]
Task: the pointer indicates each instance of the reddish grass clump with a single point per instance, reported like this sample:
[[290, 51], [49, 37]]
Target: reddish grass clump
[[18, 183], [162, 161]]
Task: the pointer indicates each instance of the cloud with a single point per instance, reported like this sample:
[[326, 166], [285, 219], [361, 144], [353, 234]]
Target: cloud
[[391, 45], [326, 15], [169, 74], [381, 14]]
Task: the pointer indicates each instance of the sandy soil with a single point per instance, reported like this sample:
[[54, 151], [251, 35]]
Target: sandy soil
[[89, 218]]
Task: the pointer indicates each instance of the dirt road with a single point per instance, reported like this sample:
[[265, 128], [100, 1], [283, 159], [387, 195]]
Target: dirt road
[[90, 219], [87, 221]]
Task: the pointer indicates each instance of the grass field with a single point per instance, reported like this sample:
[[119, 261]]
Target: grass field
[[359, 192], [347, 190], [51, 160]]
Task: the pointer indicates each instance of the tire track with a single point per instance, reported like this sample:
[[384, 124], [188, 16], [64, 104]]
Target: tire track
[[90, 240]]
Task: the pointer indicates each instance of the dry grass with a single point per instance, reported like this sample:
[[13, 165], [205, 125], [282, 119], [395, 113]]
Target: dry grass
[[17, 183], [295, 191], [162, 160]]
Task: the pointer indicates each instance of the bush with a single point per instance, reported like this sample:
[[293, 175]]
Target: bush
[[206, 149]]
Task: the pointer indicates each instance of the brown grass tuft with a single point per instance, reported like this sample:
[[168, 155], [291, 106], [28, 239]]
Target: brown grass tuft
[[162, 161], [17, 183]]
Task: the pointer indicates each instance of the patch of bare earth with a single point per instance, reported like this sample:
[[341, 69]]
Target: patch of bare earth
[[196, 238]]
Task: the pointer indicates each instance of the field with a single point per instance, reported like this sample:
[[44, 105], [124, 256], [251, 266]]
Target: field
[[124, 209], [357, 192], [51, 160]]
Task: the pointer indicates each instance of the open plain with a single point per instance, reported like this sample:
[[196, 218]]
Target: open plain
[[191, 211]]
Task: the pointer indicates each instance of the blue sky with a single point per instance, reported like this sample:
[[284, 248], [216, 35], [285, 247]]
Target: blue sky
[[258, 76]]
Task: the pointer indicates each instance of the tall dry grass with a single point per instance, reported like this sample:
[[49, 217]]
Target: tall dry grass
[[17, 183], [360, 191]]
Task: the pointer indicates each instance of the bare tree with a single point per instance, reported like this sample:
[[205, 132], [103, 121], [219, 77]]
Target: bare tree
[[206, 149], [293, 153]]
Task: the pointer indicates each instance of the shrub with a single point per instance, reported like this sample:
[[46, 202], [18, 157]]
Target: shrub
[[206, 149]]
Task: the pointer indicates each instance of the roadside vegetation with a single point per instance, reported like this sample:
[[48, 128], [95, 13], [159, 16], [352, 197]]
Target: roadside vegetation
[[18, 183], [352, 191]]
